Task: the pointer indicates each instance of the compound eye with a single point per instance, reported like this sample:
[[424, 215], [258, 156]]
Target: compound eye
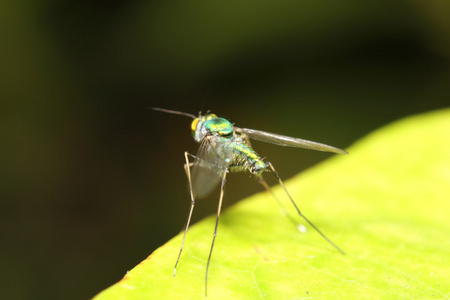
[[194, 125]]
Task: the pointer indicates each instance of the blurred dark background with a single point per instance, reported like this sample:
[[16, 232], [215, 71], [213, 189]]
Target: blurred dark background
[[92, 181]]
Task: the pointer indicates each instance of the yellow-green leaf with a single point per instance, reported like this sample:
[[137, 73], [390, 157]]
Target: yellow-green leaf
[[386, 204]]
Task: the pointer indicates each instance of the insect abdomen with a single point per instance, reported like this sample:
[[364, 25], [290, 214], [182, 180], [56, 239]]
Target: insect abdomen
[[249, 159]]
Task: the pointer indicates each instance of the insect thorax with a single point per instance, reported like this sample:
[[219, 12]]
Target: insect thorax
[[210, 124], [226, 145]]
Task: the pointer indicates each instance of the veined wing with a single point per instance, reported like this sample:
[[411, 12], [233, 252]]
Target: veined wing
[[282, 140], [211, 161]]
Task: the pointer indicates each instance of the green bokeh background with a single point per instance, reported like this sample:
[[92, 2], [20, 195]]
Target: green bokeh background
[[92, 181]]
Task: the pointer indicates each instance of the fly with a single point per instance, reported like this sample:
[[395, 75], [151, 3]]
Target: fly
[[226, 148]]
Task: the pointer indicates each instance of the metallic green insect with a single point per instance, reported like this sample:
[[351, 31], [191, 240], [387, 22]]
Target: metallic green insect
[[226, 148]]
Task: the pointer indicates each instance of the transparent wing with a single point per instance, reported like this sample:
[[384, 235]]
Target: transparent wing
[[282, 140], [210, 163]]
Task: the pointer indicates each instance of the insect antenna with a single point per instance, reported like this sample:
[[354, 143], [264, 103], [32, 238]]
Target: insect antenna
[[300, 213], [174, 112]]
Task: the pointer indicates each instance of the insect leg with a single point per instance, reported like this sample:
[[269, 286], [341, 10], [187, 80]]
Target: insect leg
[[285, 212], [246, 139], [300, 213], [215, 229], [187, 168]]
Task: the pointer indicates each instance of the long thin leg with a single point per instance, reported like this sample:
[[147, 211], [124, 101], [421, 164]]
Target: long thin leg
[[188, 174], [215, 229], [285, 212], [300, 213]]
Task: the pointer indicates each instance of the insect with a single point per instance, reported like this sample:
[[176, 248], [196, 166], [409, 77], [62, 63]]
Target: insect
[[226, 148]]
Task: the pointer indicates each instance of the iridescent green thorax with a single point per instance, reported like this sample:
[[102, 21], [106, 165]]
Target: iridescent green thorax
[[210, 124], [218, 126]]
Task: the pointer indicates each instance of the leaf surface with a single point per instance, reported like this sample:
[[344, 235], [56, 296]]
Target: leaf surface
[[386, 204]]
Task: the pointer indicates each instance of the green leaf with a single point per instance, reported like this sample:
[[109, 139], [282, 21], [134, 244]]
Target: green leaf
[[386, 204]]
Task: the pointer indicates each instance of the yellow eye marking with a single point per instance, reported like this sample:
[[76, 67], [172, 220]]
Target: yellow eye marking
[[194, 125]]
